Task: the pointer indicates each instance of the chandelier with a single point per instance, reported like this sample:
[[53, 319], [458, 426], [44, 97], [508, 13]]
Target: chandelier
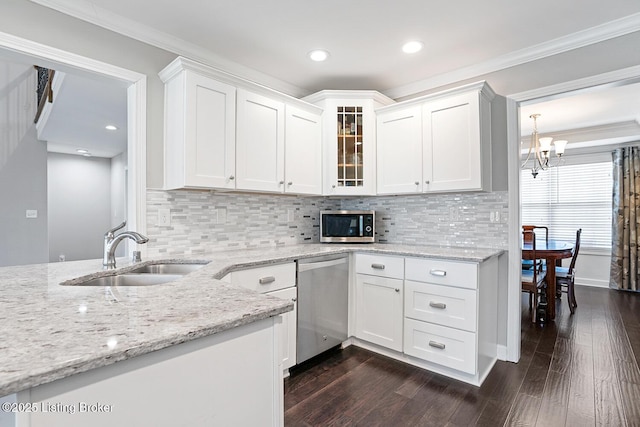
[[539, 157]]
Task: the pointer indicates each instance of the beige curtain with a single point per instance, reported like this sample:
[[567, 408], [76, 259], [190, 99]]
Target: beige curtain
[[626, 216]]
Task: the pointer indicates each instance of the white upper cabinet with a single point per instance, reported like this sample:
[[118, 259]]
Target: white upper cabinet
[[399, 166], [457, 143], [223, 132], [303, 151], [199, 132], [260, 143], [436, 143], [349, 140]]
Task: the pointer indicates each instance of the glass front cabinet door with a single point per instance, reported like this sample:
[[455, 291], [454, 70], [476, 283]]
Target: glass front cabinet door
[[349, 140]]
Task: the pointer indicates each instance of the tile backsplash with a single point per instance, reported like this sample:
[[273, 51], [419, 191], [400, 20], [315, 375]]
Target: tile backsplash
[[465, 219], [203, 221]]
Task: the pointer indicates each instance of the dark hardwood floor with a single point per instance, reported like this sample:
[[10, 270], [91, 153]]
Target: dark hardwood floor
[[581, 370]]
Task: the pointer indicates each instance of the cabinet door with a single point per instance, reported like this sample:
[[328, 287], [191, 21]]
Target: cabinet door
[[399, 166], [379, 310], [289, 319], [260, 143], [303, 152], [201, 152], [451, 135], [349, 151]]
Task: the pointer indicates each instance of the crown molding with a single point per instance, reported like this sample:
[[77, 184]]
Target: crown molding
[[86, 11], [627, 130], [349, 94], [600, 33]]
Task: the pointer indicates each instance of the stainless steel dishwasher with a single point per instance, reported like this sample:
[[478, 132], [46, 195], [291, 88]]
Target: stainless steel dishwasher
[[323, 293]]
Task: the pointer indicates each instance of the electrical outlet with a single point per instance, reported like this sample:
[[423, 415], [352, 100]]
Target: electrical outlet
[[31, 213], [221, 216], [164, 217]]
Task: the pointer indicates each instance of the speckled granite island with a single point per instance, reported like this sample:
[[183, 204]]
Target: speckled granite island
[[53, 332]]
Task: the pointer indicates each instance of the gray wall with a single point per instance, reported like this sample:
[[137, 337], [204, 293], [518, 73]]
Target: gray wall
[[23, 170], [79, 191]]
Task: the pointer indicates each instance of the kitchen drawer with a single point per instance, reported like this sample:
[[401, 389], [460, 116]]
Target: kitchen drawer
[[266, 279], [380, 265], [452, 273], [448, 347], [442, 305]]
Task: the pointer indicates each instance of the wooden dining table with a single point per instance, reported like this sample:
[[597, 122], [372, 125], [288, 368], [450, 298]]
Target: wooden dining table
[[553, 251]]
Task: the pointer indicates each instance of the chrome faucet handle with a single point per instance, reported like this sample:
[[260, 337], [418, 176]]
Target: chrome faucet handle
[[114, 229]]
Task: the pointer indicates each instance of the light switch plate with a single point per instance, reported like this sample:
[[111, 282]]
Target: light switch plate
[[32, 213]]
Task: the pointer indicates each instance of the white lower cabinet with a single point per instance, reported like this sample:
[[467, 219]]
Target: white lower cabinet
[[450, 316], [289, 326], [448, 347], [379, 310], [204, 382], [278, 280], [378, 305], [438, 314]]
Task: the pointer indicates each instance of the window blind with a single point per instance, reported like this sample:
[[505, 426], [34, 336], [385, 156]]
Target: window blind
[[569, 197]]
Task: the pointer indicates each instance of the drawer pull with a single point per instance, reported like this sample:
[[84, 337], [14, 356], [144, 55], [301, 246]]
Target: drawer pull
[[439, 273], [398, 290], [267, 280], [437, 345], [377, 266], [440, 305]]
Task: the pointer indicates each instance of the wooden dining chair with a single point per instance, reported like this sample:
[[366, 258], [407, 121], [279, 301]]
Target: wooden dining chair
[[527, 263], [534, 228], [534, 278], [565, 277]]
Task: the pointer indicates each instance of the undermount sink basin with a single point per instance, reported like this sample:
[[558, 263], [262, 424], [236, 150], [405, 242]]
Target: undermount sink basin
[[131, 280], [145, 275], [167, 268]]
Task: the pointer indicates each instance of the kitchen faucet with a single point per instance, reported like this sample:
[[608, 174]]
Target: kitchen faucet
[[111, 242]]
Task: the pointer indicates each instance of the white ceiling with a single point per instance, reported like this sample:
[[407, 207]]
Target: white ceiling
[[466, 38], [364, 37], [83, 105], [82, 108]]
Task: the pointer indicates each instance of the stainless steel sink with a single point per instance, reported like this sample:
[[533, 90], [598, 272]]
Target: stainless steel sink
[[130, 280], [145, 275], [167, 268]]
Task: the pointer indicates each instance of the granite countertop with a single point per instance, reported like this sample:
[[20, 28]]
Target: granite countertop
[[52, 331]]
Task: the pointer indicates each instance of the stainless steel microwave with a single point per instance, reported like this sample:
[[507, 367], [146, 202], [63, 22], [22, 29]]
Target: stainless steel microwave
[[347, 226]]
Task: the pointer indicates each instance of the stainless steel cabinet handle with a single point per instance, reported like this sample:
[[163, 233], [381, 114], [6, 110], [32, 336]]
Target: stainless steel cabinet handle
[[397, 289], [417, 182], [437, 305], [267, 280], [426, 182], [377, 266], [290, 183], [437, 345], [231, 178], [439, 273], [281, 182]]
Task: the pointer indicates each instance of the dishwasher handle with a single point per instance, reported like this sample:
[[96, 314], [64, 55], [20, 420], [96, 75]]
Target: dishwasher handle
[[307, 266]]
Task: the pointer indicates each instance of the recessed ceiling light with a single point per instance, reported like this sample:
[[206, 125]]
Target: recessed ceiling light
[[412, 47], [110, 127], [82, 151], [318, 55]]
